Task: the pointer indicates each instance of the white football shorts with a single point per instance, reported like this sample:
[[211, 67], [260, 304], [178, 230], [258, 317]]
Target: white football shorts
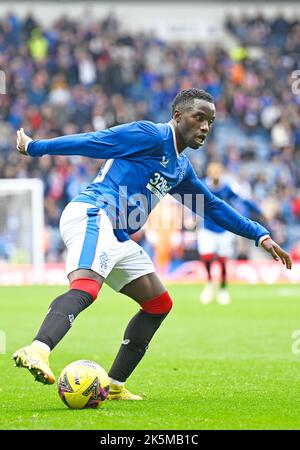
[[221, 244], [91, 244]]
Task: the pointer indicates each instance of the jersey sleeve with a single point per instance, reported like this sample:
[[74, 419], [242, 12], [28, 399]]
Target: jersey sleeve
[[122, 141], [196, 196]]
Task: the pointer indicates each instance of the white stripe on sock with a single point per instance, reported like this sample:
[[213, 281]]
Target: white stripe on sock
[[42, 345], [118, 383]]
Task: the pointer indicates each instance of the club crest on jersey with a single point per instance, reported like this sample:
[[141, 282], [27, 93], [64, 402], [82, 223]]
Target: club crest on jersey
[[158, 185], [103, 260]]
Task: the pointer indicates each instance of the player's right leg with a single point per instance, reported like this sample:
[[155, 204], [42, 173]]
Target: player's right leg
[[155, 304], [224, 251], [80, 230]]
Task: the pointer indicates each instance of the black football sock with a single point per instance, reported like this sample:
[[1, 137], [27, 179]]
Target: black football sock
[[62, 312], [208, 269], [223, 275], [137, 337]]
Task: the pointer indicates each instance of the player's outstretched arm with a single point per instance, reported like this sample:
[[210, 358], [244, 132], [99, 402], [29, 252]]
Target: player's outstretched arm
[[276, 252], [84, 144], [127, 140], [226, 216], [22, 141]]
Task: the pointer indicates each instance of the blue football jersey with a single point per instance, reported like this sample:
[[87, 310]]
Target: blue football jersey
[[142, 166], [225, 192]]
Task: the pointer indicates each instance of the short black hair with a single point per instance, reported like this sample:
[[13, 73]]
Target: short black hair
[[187, 96]]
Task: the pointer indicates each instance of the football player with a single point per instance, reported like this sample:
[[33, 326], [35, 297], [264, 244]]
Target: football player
[[144, 162]]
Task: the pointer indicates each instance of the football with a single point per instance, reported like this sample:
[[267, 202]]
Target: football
[[83, 384]]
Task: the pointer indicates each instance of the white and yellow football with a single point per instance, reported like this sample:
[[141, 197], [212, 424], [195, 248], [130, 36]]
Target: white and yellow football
[[83, 384]]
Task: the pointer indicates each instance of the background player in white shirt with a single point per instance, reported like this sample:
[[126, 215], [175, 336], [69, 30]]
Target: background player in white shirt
[[214, 242]]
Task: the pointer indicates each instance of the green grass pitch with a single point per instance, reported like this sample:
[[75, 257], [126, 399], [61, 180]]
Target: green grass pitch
[[208, 367]]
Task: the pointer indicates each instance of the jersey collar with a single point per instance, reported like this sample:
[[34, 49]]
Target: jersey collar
[[174, 137]]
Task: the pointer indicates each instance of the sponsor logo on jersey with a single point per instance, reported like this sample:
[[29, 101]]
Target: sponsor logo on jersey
[[158, 185]]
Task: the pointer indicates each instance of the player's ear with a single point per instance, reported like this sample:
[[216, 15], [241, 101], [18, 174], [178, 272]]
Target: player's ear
[[177, 116]]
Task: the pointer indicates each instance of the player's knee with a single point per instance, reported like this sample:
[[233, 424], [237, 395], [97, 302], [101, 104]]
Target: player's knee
[[88, 285], [161, 304]]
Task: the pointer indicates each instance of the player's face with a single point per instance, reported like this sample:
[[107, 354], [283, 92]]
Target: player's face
[[195, 122]]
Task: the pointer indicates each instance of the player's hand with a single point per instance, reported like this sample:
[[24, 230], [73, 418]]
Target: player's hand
[[276, 252], [22, 141]]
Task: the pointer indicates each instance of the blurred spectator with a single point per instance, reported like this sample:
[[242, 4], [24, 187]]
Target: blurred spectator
[[38, 45], [295, 252]]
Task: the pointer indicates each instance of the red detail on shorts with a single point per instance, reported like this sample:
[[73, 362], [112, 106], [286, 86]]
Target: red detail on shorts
[[158, 305], [208, 257], [88, 285], [222, 259]]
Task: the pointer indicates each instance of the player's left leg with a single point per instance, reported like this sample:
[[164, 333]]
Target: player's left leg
[[81, 226], [223, 296], [84, 288], [207, 248], [223, 281], [155, 304]]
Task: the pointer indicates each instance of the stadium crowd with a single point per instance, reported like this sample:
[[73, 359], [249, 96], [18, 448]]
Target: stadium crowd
[[80, 76]]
